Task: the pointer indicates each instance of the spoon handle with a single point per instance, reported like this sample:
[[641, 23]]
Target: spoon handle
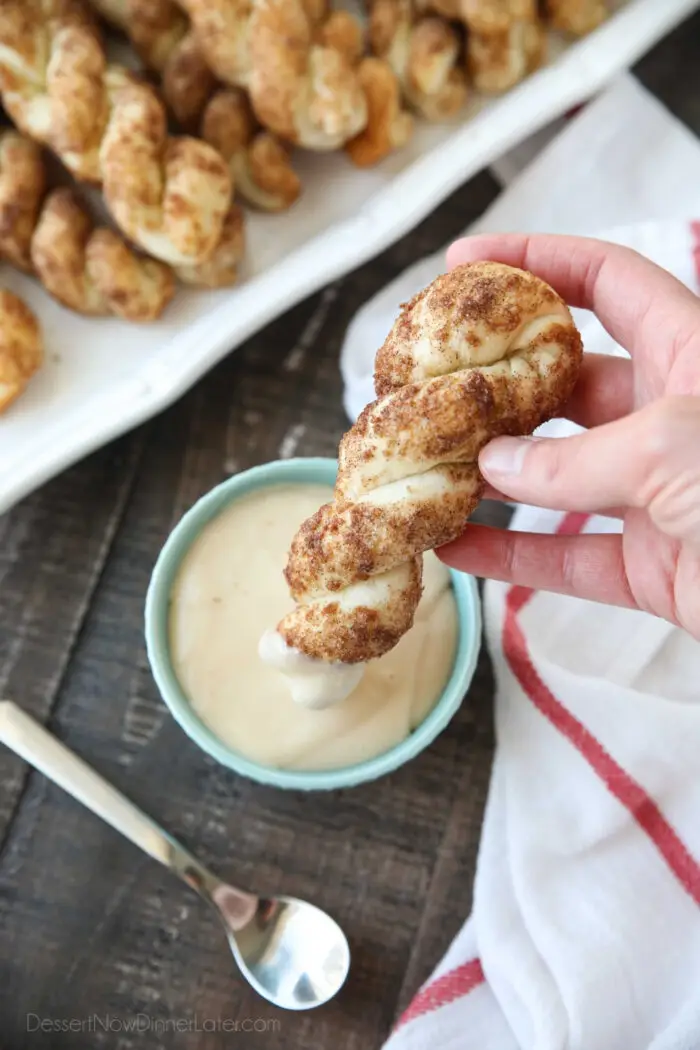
[[25, 736]]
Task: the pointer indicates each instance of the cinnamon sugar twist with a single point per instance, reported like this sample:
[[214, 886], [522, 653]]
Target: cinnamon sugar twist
[[577, 17], [496, 16], [21, 347], [222, 30], [155, 27], [506, 41], [261, 165], [88, 268], [485, 350], [389, 125], [163, 38], [303, 82], [303, 88], [170, 195], [425, 53]]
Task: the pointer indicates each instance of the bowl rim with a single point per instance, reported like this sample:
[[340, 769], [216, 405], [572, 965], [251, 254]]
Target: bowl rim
[[305, 470]]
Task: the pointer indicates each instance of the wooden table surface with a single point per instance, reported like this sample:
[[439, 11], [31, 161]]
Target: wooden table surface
[[92, 932]]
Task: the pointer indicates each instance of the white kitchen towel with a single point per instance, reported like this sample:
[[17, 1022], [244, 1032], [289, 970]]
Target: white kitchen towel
[[585, 931]]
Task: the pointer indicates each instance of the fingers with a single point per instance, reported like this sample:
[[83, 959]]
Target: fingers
[[604, 391], [587, 472], [589, 567], [645, 460], [618, 284], [490, 493]]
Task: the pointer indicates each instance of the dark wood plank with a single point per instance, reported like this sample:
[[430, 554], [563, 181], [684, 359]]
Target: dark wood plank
[[52, 550], [670, 72]]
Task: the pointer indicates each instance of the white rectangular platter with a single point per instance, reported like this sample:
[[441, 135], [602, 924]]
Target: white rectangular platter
[[103, 376]]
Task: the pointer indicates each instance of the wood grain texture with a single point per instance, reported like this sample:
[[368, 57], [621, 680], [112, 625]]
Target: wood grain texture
[[50, 560], [90, 930]]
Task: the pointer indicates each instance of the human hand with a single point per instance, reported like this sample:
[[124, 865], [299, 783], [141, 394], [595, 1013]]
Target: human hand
[[640, 459]]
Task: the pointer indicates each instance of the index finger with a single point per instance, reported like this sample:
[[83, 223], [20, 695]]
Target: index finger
[[622, 287]]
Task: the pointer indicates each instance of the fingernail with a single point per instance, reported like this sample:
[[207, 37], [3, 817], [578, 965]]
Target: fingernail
[[504, 455]]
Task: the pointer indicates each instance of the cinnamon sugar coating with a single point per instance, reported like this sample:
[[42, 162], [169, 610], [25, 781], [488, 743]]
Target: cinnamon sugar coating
[[483, 351], [88, 268], [389, 125], [169, 195], [21, 347], [425, 54], [577, 17], [163, 38], [261, 165]]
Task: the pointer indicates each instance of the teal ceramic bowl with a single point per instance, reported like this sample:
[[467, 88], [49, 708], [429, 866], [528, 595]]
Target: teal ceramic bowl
[[315, 471]]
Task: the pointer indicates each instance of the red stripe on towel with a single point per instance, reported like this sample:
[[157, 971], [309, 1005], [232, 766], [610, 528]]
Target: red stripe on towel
[[443, 990], [619, 783], [574, 111]]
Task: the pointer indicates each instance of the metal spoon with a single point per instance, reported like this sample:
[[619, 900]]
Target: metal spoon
[[291, 952]]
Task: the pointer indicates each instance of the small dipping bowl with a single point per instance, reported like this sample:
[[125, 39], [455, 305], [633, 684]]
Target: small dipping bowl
[[287, 472]]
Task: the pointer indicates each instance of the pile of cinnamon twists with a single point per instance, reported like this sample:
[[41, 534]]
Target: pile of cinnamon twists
[[229, 88]]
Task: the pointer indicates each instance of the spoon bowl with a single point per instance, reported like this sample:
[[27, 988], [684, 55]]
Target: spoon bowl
[[292, 953]]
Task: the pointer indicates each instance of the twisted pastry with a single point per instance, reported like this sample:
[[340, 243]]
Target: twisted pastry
[[389, 126], [424, 53], [222, 29], [341, 31], [176, 211], [155, 27], [577, 17], [90, 270], [22, 189], [496, 16], [260, 164], [301, 88], [169, 195], [506, 41], [300, 78], [163, 39], [221, 269], [449, 9], [186, 81], [21, 347], [499, 61], [485, 350]]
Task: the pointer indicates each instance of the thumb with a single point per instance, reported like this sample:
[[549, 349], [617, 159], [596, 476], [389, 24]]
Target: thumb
[[647, 459]]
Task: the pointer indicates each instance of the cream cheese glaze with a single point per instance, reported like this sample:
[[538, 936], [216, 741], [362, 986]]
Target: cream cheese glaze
[[312, 683], [230, 588]]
